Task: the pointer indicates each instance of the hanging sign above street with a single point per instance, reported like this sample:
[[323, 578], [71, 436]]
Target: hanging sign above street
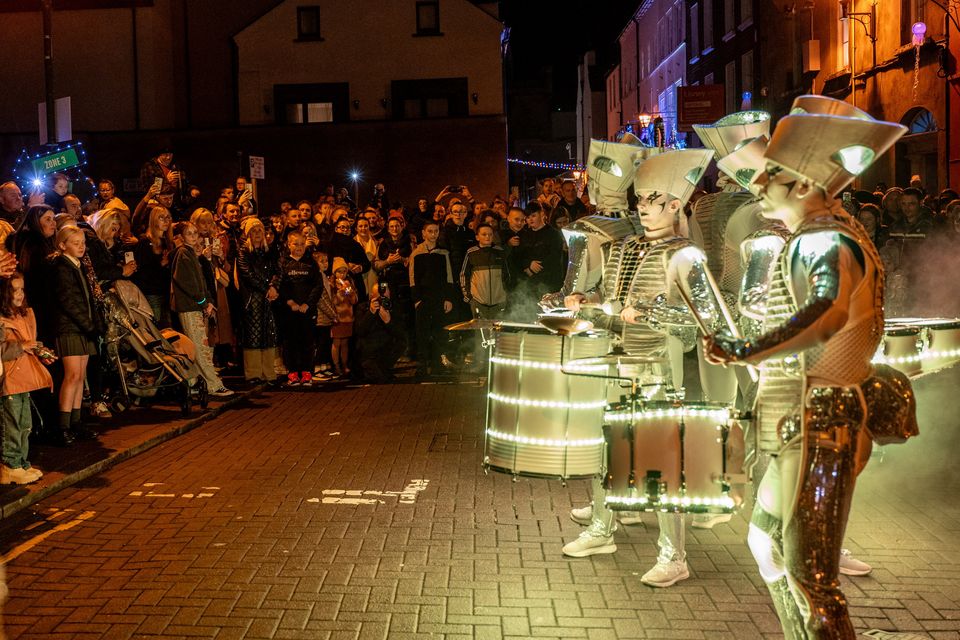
[[702, 104]]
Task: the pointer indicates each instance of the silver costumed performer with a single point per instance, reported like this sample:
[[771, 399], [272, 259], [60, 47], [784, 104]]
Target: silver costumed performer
[[722, 221], [610, 169], [642, 275], [823, 323]]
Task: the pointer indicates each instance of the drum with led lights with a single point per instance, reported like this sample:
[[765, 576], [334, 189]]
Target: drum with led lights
[[918, 346], [665, 456], [540, 420]]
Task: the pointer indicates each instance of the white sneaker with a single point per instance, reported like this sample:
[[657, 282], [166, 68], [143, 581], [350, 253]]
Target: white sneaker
[[850, 566], [665, 574], [222, 392], [588, 544], [100, 410], [9, 475], [583, 515], [628, 518], [709, 520]]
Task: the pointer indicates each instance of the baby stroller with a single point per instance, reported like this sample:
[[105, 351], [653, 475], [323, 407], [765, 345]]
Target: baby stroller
[[151, 363]]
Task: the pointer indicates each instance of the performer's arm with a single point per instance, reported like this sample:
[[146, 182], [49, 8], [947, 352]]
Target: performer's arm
[[759, 254], [826, 268]]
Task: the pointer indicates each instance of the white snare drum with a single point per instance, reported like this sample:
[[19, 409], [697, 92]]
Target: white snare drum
[[540, 420], [918, 346], [669, 457]]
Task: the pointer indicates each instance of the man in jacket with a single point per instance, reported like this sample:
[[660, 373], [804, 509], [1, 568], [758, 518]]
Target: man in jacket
[[433, 291], [569, 205], [539, 260]]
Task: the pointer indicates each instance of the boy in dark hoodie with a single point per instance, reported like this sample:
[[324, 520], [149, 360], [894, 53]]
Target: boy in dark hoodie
[[300, 286]]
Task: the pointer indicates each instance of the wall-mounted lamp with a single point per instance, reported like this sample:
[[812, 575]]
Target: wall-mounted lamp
[[919, 31], [867, 19], [644, 118], [356, 105], [475, 97]]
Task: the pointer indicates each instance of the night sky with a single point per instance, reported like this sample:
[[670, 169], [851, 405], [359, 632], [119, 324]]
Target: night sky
[[553, 34]]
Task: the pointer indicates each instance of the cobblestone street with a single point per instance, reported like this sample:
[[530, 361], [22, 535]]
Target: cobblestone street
[[365, 513]]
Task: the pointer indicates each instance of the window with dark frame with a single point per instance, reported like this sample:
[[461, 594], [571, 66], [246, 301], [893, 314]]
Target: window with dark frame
[[308, 23], [428, 17]]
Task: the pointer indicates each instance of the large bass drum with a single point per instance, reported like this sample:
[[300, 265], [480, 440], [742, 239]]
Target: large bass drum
[[540, 420]]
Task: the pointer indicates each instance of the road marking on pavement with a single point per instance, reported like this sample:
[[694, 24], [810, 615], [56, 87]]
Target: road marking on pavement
[[23, 547], [206, 493], [359, 496]]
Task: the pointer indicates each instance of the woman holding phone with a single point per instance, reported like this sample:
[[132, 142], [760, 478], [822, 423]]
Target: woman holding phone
[[220, 329], [152, 256], [110, 259]]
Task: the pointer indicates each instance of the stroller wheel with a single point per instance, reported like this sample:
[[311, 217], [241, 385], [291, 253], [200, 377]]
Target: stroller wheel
[[202, 393], [186, 401], [119, 404]]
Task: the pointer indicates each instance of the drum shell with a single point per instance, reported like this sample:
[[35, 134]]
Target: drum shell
[[903, 342], [942, 337], [690, 470], [918, 346], [532, 375]]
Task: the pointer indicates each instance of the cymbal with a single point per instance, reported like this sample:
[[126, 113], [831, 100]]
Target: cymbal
[[615, 359], [565, 326]]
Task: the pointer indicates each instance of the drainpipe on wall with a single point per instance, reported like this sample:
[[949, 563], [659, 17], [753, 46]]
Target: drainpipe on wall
[[636, 32], [946, 98], [135, 59]]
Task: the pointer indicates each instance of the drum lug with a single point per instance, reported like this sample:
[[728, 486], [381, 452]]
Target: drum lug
[[730, 478]]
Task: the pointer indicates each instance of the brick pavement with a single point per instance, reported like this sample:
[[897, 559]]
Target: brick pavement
[[473, 555]]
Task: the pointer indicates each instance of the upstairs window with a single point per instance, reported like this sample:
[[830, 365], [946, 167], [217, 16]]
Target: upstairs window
[[308, 23], [428, 18]]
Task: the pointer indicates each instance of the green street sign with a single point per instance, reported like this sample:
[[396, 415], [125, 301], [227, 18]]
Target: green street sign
[[59, 161]]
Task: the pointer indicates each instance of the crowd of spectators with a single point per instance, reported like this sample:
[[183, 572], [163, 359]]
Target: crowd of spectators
[[319, 290], [916, 233]]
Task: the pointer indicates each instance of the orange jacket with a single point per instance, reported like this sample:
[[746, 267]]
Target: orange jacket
[[23, 370]]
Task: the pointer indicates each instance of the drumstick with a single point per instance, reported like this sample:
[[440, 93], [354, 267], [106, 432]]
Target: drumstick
[[702, 325], [693, 310], [727, 317]]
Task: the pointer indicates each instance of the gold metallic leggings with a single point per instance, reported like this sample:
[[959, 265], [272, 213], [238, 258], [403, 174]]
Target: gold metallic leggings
[[798, 523]]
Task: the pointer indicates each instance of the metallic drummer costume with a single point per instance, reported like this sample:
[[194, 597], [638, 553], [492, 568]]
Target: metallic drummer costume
[[824, 320], [610, 167], [640, 275], [724, 220]]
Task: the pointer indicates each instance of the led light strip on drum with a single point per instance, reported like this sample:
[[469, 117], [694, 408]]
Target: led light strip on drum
[[917, 357], [547, 404], [673, 501], [721, 415], [552, 366], [543, 442]]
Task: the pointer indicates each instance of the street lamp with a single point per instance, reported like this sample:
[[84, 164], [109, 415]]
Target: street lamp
[[355, 176], [644, 118]]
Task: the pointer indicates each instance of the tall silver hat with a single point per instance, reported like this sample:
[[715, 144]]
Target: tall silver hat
[[610, 164], [673, 172], [745, 161], [726, 134], [829, 151], [827, 107]]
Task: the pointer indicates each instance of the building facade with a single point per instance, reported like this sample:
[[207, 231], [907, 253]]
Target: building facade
[[895, 59], [146, 74], [348, 60], [653, 64]]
